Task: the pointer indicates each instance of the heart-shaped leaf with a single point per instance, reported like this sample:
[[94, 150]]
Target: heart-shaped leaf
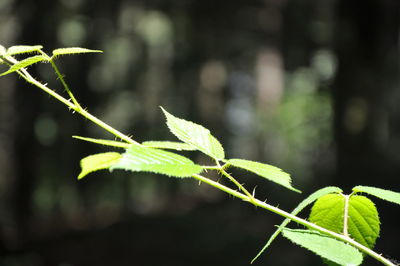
[[363, 223], [307, 201]]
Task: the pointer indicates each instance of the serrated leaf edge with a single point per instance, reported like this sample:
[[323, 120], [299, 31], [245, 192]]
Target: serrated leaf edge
[[303, 204]]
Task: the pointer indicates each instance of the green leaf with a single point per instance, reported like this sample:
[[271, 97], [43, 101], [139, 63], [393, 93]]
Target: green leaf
[[98, 162], [23, 49], [267, 171], [364, 223], [172, 145], [362, 217], [2, 50], [325, 246], [380, 193], [328, 212], [310, 199], [140, 158], [24, 63], [113, 143], [195, 135], [73, 50]]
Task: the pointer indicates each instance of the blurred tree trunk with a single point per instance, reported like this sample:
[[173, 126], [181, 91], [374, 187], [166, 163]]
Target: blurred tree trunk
[[25, 148], [366, 96], [366, 45]]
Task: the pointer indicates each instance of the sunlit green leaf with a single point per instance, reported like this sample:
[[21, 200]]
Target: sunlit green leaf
[[23, 49], [267, 171], [172, 145], [2, 50], [380, 193], [364, 223], [113, 143], [363, 220], [73, 50], [195, 135], [140, 158], [310, 199], [98, 162], [324, 246], [24, 63]]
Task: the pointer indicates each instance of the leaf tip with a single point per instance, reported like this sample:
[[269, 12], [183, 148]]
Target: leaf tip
[[164, 111]]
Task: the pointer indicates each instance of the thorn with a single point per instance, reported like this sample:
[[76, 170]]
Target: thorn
[[254, 192]]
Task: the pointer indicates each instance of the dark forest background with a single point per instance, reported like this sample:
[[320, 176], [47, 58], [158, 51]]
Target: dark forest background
[[309, 86]]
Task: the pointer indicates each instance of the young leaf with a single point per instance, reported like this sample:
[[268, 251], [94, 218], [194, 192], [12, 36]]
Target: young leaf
[[267, 171], [172, 145], [364, 223], [140, 158], [106, 142], [310, 199], [23, 49], [98, 162], [195, 135], [24, 63], [73, 50], [362, 217], [324, 246], [2, 50], [380, 193]]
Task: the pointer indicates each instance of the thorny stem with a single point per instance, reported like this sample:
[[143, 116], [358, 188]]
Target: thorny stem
[[25, 74], [233, 180], [294, 218], [61, 77], [245, 196]]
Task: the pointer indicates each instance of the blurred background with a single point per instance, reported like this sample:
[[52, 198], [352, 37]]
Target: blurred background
[[309, 86]]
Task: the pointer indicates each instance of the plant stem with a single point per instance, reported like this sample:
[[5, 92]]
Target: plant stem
[[25, 74], [294, 218], [60, 76], [233, 180], [346, 215], [74, 105]]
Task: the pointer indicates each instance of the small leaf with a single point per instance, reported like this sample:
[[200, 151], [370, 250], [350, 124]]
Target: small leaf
[[325, 246], [363, 220], [23, 49], [380, 193], [195, 135], [113, 143], [73, 50], [24, 63], [310, 199], [328, 212], [140, 158], [2, 50], [98, 162], [267, 171], [364, 223], [173, 145]]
